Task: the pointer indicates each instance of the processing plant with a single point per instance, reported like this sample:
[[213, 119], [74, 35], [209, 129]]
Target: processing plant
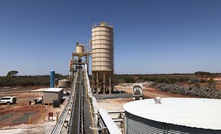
[[102, 54]]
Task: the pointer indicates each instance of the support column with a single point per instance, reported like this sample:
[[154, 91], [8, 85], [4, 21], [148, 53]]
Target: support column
[[97, 80], [104, 82], [111, 86]]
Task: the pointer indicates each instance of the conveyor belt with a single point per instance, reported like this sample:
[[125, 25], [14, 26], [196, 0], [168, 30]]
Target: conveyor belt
[[81, 119], [87, 115]]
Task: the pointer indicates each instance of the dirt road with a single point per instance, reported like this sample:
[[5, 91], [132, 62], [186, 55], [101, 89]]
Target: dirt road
[[150, 92]]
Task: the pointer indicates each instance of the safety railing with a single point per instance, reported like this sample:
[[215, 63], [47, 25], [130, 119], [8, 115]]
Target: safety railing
[[64, 118], [106, 123], [101, 117], [90, 94]]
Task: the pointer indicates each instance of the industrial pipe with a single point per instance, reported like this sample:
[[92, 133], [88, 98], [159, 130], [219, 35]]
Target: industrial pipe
[[52, 73]]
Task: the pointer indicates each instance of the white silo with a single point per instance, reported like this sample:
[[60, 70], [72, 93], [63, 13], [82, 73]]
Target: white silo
[[79, 48], [102, 58]]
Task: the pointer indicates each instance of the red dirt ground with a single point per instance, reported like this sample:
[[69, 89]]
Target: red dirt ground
[[151, 92], [20, 113]]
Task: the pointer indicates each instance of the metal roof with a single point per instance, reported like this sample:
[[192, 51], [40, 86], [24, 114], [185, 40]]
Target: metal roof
[[190, 112], [53, 90], [39, 90], [47, 90]]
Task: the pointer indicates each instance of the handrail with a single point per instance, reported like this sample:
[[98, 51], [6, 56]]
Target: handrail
[[92, 98], [106, 119], [109, 123], [60, 124], [73, 110], [90, 94]]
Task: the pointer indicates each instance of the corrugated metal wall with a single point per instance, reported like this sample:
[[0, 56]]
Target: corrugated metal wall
[[138, 125], [48, 97], [102, 48]]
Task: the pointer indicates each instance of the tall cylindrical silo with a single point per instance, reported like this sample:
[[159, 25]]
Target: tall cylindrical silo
[[102, 58]]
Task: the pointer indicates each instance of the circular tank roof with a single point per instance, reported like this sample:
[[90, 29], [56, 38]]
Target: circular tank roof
[[190, 112]]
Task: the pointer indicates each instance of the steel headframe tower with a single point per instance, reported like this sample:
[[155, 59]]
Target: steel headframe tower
[[102, 58]]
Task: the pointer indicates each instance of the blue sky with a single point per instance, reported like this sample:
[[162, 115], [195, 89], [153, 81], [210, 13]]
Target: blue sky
[[150, 36]]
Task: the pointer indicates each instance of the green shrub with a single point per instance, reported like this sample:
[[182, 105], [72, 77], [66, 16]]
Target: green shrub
[[130, 79], [211, 83], [193, 80]]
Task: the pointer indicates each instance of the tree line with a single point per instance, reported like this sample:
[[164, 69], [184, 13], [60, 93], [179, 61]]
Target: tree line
[[38, 80], [11, 79], [197, 77]]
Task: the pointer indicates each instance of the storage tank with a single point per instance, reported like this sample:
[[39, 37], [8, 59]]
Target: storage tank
[[52, 78], [79, 48], [102, 57], [64, 83], [173, 116], [137, 91]]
